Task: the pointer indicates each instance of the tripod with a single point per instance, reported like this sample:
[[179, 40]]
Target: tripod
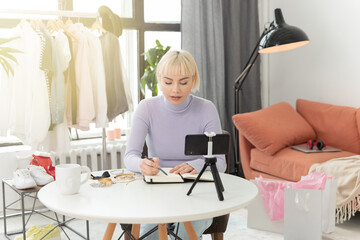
[[210, 160]]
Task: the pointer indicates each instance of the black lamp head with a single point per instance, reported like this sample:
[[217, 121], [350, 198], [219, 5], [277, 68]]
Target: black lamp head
[[281, 36]]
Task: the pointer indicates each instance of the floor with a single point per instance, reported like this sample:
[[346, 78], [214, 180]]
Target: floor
[[237, 229]]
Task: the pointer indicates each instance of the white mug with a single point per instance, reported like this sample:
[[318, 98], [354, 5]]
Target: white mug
[[68, 177]]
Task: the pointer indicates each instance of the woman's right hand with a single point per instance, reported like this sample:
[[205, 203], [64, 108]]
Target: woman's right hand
[[150, 167]]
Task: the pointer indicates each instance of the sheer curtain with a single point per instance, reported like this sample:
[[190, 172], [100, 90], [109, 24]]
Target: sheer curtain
[[221, 34]]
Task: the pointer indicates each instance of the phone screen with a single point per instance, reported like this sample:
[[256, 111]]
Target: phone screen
[[197, 144]]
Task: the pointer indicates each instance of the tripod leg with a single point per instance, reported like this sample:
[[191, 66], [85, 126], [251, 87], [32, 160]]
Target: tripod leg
[[216, 181], [197, 179], [219, 179]]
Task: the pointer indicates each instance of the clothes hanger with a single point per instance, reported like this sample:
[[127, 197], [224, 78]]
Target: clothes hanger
[[22, 23], [33, 24], [65, 26], [38, 23], [97, 25], [68, 23], [51, 26], [60, 24]]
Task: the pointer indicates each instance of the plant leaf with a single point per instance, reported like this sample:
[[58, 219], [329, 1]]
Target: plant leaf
[[8, 49], [5, 55], [6, 66], [151, 56], [155, 92], [5, 40], [9, 56], [150, 80], [154, 86], [11, 70], [147, 65], [142, 85], [158, 44]]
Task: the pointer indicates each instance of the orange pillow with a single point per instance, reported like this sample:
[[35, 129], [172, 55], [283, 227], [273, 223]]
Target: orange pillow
[[274, 128], [335, 125]]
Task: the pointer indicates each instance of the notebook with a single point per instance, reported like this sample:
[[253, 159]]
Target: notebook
[[177, 178], [304, 148]]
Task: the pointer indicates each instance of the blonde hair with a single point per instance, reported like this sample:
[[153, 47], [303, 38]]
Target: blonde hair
[[179, 62]]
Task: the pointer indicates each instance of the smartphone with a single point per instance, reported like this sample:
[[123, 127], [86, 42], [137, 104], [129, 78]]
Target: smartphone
[[197, 144]]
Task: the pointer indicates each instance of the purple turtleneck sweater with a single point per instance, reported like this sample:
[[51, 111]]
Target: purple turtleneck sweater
[[164, 127]]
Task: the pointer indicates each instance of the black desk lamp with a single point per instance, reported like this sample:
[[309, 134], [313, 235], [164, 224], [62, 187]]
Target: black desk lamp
[[278, 37]]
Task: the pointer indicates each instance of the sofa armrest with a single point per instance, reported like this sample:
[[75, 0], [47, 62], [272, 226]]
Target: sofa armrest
[[245, 148]]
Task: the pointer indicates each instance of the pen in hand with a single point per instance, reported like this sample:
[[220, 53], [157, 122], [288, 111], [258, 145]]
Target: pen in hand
[[159, 167]]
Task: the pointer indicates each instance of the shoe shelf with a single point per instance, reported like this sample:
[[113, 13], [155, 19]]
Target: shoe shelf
[[26, 213]]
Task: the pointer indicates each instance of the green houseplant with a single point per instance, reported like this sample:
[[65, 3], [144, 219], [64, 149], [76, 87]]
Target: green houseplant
[[152, 58], [6, 54]]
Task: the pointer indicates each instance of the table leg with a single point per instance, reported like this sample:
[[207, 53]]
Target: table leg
[[23, 214], [4, 207], [135, 230], [109, 231], [190, 231], [162, 232], [87, 230]]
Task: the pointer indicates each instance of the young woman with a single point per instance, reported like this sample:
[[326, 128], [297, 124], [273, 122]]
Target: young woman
[[164, 121]]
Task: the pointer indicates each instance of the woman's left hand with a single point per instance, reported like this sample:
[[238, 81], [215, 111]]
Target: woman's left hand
[[183, 168]]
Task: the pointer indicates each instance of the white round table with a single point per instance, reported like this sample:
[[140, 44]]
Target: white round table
[[139, 202]]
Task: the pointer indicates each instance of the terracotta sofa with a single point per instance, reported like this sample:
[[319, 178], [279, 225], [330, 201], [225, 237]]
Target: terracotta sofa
[[265, 137]]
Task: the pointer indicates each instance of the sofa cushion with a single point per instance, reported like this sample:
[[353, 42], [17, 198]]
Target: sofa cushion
[[335, 125], [273, 128], [290, 164]]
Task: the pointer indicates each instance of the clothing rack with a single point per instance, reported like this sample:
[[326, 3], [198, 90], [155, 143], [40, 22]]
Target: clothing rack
[[63, 13]]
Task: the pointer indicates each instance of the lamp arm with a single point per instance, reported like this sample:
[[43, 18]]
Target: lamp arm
[[244, 74], [250, 62]]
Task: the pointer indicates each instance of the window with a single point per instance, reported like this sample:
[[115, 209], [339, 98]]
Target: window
[[48, 5], [33, 5], [123, 8], [162, 11], [143, 22], [172, 39]]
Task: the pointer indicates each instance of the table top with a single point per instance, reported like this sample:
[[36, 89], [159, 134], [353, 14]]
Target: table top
[[9, 182], [138, 202]]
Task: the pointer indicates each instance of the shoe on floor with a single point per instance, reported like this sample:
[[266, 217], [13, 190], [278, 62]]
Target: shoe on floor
[[28, 233], [53, 235], [23, 180], [37, 232], [40, 175]]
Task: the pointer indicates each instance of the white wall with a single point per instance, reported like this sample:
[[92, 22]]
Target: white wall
[[325, 70]]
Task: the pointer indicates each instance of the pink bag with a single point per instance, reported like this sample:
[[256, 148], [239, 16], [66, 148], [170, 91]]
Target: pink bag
[[272, 194], [314, 180], [272, 191]]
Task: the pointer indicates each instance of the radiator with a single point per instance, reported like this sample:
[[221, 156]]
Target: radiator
[[91, 156]]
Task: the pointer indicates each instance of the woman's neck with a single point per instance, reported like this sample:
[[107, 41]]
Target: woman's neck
[[177, 108]]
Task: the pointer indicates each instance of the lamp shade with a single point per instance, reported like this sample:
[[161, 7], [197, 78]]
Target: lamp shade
[[282, 37]]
